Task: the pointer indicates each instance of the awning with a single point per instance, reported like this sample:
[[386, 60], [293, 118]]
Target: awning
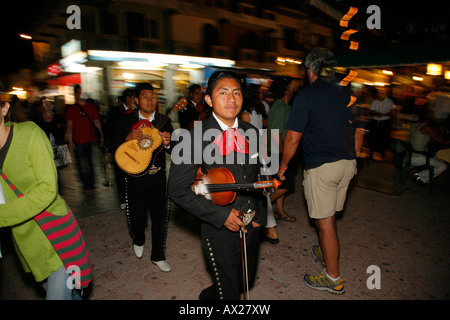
[[394, 56]]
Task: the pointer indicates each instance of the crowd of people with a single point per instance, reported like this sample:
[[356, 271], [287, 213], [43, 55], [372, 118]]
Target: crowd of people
[[319, 126]]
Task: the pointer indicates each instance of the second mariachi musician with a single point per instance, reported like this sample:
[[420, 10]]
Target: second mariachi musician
[[146, 191]]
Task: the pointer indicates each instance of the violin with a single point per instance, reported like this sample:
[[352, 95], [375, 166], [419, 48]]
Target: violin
[[219, 186]]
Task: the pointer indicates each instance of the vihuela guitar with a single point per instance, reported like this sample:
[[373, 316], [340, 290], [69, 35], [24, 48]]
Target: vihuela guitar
[[134, 156]]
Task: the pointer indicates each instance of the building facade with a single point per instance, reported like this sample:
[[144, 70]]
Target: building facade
[[173, 43]]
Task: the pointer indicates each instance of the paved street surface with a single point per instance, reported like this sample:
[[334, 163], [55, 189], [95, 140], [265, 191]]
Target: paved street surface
[[405, 235]]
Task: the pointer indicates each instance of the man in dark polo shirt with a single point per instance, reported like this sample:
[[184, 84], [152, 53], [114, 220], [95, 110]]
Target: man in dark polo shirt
[[323, 117]]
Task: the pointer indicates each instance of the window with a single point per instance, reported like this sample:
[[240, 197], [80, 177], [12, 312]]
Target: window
[[154, 29], [290, 38], [88, 20], [109, 24], [136, 25]]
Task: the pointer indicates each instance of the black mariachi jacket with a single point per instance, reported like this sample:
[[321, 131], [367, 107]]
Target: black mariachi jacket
[[124, 127], [182, 176]]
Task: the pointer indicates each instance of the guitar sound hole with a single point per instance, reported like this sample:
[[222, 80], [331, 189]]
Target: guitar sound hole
[[145, 143]]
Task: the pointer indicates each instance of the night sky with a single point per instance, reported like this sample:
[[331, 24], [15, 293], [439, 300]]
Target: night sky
[[402, 22], [18, 17]]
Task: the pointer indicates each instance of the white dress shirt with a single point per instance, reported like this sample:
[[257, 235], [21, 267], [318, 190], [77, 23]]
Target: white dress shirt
[[223, 126]]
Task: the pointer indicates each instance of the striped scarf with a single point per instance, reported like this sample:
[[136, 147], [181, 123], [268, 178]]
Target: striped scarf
[[66, 238]]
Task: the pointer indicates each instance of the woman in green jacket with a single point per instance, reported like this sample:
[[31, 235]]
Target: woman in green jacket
[[29, 183]]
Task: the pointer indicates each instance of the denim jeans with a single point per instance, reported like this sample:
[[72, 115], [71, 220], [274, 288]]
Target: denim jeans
[[57, 288], [84, 153]]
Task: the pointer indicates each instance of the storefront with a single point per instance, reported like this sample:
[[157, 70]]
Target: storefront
[[105, 74]]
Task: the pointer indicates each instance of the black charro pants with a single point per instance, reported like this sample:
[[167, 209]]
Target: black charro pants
[[222, 250], [143, 195]]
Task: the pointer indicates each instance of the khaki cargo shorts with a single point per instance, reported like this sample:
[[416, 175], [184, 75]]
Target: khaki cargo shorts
[[326, 187]]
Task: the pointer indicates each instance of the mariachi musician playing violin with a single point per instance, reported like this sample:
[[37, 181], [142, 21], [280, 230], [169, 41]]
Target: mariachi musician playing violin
[[222, 224], [146, 191]]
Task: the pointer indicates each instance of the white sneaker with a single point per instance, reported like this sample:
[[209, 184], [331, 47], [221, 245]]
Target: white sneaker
[[162, 265], [138, 251], [123, 206]]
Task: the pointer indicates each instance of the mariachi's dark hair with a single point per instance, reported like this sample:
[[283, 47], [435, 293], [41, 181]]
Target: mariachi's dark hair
[[193, 87], [219, 75], [127, 93], [143, 86]]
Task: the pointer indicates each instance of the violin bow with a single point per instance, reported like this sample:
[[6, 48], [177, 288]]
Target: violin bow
[[244, 259]]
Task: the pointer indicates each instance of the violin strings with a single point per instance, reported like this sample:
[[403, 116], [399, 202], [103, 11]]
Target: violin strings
[[231, 186], [228, 187]]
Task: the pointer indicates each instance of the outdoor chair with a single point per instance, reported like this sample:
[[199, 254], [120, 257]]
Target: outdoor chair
[[404, 162]]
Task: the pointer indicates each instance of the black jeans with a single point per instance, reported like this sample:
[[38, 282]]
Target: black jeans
[[84, 153]]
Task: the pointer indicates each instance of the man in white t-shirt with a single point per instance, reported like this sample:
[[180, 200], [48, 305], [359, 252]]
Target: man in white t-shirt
[[381, 109]]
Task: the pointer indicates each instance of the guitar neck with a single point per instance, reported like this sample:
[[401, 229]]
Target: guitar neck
[[163, 122], [179, 105]]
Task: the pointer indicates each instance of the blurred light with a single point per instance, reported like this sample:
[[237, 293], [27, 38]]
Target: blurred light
[[351, 75], [346, 34], [54, 69], [75, 58], [155, 58], [447, 75], [17, 89], [191, 66], [70, 47], [282, 61], [139, 65], [434, 69], [130, 85], [25, 36], [417, 78], [346, 18], [388, 72], [354, 45], [21, 94], [352, 101], [127, 75]]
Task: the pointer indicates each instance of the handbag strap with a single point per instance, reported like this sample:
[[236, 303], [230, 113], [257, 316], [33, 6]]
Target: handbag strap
[[10, 184], [87, 115], [66, 238]]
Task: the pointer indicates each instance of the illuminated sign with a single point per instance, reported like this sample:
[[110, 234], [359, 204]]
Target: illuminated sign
[[54, 69], [70, 47]]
